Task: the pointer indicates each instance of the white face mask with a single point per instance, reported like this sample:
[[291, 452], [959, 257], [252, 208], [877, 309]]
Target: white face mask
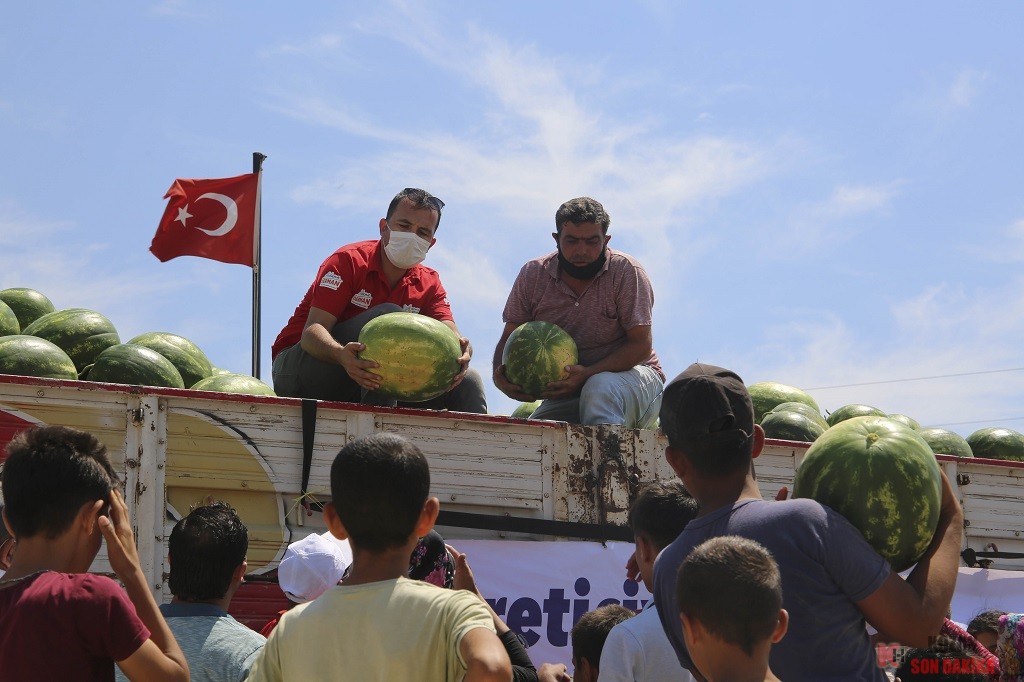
[[406, 249]]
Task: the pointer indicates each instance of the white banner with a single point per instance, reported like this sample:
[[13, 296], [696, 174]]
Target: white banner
[[540, 589]]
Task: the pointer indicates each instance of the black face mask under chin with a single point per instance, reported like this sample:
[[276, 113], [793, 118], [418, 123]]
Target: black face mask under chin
[[588, 271]]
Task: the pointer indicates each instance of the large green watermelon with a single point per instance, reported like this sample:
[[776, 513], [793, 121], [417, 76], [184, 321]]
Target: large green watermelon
[[28, 304], [997, 443], [234, 383], [905, 420], [524, 410], [34, 357], [800, 408], [883, 478], [943, 442], [127, 363], [190, 361], [855, 410], [766, 395], [789, 425], [418, 355], [8, 321], [82, 333], [537, 353]]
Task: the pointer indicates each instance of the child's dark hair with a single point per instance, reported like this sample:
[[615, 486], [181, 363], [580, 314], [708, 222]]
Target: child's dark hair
[[591, 630], [927, 665], [49, 474], [986, 621], [661, 510], [206, 547], [732, 586], [379, 485]]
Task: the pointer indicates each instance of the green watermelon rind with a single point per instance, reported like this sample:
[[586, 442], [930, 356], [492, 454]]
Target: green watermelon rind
[[28, 304], [9, 325], [188, 358], [537, 353], [25, 355], [82, 333], [909, 422], [766, 395], [944, 442], [852, 410], [800, 408], [994, 442], [787, 425], [883, 478], [234, 383], [524, 410], [418, 355], [133, 365]]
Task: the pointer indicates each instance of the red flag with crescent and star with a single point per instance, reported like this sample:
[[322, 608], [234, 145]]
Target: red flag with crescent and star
[[213, 219]]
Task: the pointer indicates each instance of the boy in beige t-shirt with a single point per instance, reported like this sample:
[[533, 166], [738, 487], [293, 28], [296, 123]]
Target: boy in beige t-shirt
[[380, 625]]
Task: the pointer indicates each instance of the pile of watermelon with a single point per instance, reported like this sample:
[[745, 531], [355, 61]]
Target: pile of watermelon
[[38, 340], [789, 413]]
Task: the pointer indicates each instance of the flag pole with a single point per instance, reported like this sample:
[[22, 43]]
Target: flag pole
[[257, 167]]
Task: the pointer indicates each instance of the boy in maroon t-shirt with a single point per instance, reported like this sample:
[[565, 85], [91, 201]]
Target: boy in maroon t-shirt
[[58, 622]]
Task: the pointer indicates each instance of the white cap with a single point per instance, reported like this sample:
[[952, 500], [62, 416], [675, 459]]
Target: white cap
[[313, 565]]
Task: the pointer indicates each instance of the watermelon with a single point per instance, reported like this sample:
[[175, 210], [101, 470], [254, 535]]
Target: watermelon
[[905, 420], [524, 410], [233, 383], [418, 355], [767, 395], [943, 442], [856, 410], [997, 443], [801, 408], [214, 371], [34, 357], [28, 304], [537, 353], [883, 478], [83, 334], [791, 426], [127, 363], [8, 321], [186, 356]]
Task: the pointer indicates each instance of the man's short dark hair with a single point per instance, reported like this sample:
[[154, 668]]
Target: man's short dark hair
[[661, 510], [50, 472], [205, 548], [986, 621], [420, 198], [591, 630], [926, 665], [582, 210], [732, 586], [706, 413], [379, 485]]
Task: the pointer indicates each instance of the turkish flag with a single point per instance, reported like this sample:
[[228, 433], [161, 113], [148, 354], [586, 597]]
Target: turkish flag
[[213, 219]]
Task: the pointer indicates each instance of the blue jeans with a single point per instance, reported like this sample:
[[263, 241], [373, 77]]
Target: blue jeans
[[631, 399]]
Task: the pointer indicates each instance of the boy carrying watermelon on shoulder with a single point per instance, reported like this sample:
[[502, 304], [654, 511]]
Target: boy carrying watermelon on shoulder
[[316, 355], [57, 621], [832, 579]]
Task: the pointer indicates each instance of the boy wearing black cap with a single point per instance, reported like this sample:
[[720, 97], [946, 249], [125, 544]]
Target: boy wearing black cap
[[832, 579]]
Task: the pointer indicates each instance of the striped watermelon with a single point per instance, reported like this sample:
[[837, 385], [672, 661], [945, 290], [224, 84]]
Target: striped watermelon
[[943, 442], [766, 395], [801, 408], [189, 359], [82, 333], [234, 383], [790, 425], [418, 355], [8, 321], [524, 410], [849, 411], [536, 353], [34, 357], [905, 420], [28, 304], [997, 443], [881, 476], [127, 363]]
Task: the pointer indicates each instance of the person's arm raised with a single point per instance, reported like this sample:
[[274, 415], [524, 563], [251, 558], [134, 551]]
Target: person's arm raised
[[159, 658], [912, 611]]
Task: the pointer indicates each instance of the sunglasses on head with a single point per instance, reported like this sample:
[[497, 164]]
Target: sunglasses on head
[[429, 198]]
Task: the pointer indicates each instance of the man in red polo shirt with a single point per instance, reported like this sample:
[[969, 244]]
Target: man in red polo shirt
[[316, 354]]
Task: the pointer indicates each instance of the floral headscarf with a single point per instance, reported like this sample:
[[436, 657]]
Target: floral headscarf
[[431, 562], [1010, 646]]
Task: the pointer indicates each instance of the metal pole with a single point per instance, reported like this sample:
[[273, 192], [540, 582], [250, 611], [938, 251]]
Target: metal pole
[[257, 167]]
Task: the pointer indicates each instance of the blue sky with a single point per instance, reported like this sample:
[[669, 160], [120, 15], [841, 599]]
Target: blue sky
[[823, 194]]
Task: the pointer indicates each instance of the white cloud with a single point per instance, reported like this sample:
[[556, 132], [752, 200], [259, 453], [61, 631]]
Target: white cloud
[[813, 224], [965, 88], [18, 227]]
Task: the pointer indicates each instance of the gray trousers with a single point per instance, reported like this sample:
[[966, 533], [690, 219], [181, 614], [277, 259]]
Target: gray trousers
[[297, 374]]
